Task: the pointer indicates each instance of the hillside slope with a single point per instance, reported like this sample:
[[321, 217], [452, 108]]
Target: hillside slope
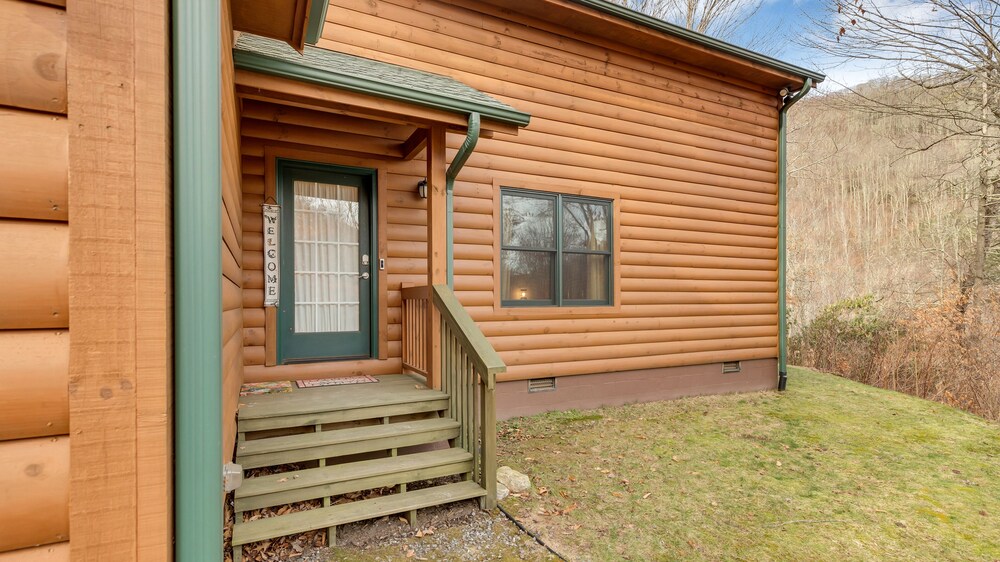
[[867, 213], [829, 470]]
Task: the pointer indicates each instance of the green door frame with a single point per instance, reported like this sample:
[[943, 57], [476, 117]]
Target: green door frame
[[302, 348]]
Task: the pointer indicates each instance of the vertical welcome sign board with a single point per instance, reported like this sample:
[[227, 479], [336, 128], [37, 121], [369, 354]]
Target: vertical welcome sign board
[[271, 277]]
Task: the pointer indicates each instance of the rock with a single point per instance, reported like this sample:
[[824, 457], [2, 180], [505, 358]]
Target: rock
[[502, 492], [513, 480]]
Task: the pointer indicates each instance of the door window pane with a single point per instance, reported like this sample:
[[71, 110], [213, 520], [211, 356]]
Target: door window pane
[[585, 225], [326, 258], [585, 277], [526, 276], [529, 222]]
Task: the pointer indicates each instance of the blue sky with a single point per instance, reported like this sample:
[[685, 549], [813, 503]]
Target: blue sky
[[792, 19]]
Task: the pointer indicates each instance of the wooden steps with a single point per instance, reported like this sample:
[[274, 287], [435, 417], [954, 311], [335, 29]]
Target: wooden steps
[[300, 485], [337, 443], [302, 521], [324, 428], [393, 395]]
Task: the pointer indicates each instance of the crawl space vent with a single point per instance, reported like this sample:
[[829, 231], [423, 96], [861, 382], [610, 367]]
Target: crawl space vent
[[542, 385], [731, 367]]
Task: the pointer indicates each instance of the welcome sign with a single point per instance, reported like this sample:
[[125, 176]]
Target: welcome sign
[[271, 276]]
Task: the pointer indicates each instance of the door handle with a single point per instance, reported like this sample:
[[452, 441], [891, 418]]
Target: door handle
[[364, 275]]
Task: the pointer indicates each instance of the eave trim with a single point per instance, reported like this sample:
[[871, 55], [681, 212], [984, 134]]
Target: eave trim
[[255, 62], [700, 39], [317, 17]]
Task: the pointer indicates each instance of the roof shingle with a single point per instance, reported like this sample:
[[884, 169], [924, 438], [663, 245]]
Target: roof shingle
[[373, 77]]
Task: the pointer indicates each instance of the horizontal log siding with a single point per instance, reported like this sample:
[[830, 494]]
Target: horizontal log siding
[[35, 484], [34, 299], [232, 250], [692, 155]]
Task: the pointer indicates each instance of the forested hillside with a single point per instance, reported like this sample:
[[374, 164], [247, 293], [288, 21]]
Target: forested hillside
[[867, 212], [881, 236]]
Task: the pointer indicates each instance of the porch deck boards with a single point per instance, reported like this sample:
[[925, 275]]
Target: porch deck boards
[[390, 389]]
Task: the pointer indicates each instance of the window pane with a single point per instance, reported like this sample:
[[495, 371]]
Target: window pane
[[528, 222], [585, 225], [585, 277], [326, 258], [526, 275]]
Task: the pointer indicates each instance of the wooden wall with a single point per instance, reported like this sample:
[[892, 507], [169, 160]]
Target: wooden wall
[[34, 302], [84, 294], [232, 246], [692, 155]]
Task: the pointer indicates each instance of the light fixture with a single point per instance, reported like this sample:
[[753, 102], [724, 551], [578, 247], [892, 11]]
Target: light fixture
[[422, 189], [524, 294]]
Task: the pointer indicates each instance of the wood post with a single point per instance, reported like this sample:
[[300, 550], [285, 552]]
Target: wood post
[[119, 237], [437, 245]]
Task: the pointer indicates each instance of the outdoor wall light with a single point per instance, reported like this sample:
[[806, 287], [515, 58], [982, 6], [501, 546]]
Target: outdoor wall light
[[422, 189], [524, 294]]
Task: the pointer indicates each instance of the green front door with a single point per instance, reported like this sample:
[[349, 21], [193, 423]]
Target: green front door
[[327, 280]]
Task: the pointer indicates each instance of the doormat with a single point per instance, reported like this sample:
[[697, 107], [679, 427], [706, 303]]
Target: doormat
[[255, 388], [360, 379]]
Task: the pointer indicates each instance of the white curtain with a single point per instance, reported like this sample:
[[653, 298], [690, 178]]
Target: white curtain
[[326, 258]]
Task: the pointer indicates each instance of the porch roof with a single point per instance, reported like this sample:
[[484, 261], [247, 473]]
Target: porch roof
[[367, 76]]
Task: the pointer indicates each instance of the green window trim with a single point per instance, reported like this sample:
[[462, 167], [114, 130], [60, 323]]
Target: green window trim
[[558, 252], [314, 351]]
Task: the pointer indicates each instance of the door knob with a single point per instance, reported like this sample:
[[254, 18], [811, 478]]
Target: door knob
[[364, 275]]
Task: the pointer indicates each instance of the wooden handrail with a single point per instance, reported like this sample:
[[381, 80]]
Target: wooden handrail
[[469, 367], [414, 310], [482, 354]]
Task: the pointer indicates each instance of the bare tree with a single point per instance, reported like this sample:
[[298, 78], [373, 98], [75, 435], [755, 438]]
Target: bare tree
[[944, 57], [725, 19]]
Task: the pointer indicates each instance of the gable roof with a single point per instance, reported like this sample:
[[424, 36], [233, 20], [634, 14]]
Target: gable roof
[[357, 74]]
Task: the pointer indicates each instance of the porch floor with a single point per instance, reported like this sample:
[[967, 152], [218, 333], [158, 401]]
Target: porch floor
[[390, 389], [323, 442]]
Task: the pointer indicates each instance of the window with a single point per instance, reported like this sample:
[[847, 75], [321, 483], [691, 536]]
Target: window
[[555, 249]]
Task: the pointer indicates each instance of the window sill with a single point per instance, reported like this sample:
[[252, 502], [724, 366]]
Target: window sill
[[545, 312]]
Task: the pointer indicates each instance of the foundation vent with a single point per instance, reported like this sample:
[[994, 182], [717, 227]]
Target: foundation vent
[[542, 385], [731, 367]]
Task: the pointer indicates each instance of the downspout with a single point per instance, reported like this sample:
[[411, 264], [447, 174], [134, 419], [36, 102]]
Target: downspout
[[197, 280], [787, 102], [471, 138]]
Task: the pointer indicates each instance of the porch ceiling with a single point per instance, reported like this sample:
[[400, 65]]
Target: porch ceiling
[[366, 87], [304, 126]]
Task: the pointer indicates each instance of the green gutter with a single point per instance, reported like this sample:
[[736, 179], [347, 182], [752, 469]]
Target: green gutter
[[699, 38], [471, 138], [255, 62], [197, 281], [789, 101], [317, 17]]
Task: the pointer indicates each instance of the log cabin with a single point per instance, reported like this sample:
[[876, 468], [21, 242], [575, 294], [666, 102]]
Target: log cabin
[[486, 208]]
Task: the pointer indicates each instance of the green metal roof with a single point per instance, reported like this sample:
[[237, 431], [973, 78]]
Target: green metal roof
[[357, 74], [699, 38]]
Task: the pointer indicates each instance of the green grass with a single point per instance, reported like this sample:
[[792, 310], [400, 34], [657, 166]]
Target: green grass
[[830, 469]]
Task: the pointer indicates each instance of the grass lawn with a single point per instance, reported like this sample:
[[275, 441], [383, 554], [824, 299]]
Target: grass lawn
[[829, 470]]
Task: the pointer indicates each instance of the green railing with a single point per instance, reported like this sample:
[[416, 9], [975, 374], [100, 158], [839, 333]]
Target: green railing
[[469, 366]]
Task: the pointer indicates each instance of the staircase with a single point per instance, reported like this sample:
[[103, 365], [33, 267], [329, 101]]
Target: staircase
[[388, 434], [359, 437]]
